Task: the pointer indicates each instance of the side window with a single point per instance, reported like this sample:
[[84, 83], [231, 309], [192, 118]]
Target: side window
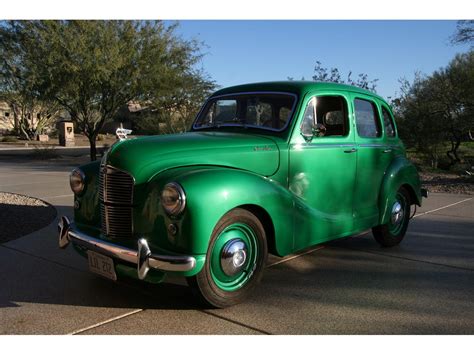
[[388, 123], [331, 112], [308, 118], [367, 120]]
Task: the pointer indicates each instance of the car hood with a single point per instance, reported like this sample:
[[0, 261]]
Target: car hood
[[147, 156]]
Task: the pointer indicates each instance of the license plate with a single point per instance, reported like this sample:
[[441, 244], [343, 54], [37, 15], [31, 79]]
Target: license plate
[[102, 265]]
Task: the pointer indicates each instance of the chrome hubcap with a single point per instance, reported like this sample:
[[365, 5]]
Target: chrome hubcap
[[397, 213], [233, 257]]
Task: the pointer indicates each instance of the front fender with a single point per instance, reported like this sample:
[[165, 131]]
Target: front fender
[[213, 191], [401, 172], [87, 210]]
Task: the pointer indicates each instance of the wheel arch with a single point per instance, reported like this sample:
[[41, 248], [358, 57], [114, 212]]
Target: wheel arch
[[411, 192], [401, 173], [266, 220]]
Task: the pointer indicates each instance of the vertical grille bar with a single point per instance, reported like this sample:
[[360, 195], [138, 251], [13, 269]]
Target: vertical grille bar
[[116, 198]]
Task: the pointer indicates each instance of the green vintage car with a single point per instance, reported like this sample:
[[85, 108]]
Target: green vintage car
[[266, 168]]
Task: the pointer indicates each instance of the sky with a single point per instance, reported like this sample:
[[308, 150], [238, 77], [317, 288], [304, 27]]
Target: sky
[[239, 52]]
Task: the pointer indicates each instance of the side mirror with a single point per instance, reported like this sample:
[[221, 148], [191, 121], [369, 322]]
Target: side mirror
[[316, 130], [319, 130]]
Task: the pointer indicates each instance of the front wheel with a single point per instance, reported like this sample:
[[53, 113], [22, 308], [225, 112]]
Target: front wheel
[[392, 233], [235, 260]]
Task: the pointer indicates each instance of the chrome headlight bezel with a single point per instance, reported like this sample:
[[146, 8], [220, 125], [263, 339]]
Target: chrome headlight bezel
[[103, 160], [77, 180], [177, 207]]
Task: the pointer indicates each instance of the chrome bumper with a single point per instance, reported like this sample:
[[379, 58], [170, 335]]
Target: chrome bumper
[[143, 258]]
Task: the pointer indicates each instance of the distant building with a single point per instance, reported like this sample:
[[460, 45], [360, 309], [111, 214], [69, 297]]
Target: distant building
[[127, 116], [10, 122], [7, 119]]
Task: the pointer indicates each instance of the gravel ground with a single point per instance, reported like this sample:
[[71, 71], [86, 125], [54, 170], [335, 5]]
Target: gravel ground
[[450, 183], [21, 215]]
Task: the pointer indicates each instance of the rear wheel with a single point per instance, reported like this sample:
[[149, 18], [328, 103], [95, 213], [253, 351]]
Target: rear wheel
[[235, 260], [392, 233]]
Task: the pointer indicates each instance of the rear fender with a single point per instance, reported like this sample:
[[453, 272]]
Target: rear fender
[[400, 173]]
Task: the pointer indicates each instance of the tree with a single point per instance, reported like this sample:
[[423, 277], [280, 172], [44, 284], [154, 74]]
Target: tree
[[30, 114], [453, 97], [439, 107], [418, 124], [333, 75], [464, 32], [180, 104], [93, 68]]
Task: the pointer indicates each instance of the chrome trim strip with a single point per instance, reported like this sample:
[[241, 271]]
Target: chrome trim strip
[[378, 145], [67, 234], [249, 126], [314, 145], [320, 146]]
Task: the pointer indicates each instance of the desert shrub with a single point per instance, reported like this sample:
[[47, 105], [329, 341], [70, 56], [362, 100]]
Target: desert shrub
[[10, 139]]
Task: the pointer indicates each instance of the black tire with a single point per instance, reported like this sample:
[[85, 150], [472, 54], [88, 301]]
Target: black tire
[[391, 234], [210, 285]]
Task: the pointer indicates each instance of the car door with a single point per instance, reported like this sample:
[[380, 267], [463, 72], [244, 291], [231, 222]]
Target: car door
[[373, 157], [322, 170]]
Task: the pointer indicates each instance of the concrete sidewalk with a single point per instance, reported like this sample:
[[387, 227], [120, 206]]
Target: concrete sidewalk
[[348, 286]]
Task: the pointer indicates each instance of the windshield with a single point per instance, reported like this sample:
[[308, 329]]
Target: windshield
[[271, 111]]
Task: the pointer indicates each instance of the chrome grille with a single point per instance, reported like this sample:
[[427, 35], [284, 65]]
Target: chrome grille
[[116, 196]]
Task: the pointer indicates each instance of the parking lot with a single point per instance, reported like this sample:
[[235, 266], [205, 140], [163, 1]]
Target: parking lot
[[348, 286]]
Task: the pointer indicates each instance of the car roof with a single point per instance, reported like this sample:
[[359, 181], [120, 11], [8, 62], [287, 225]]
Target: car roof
[[293, 86]]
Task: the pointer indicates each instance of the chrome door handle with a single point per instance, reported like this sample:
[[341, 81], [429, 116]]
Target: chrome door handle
[[353, 150], [387, 151]]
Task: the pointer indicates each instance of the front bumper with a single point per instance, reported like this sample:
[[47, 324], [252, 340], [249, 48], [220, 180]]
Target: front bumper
[[143, 258]]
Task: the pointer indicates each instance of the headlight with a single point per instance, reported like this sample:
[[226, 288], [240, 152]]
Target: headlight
[[76, 180], [173, 198]]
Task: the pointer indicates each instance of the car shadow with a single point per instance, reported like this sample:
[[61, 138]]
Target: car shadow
[[20, 217]]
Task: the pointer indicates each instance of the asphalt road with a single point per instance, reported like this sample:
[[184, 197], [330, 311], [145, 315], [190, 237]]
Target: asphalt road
[[349, 286]]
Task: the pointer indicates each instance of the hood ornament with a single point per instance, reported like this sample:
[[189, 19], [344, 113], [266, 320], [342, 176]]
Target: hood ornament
[[122, 132]]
